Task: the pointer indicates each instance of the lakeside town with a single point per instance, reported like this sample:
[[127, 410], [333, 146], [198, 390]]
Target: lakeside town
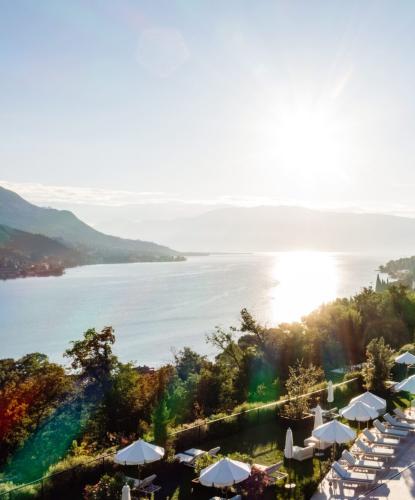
[[12, 267]]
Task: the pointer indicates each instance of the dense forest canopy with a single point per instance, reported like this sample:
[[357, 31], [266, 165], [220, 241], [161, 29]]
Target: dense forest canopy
[[102, 401], [402, 269]]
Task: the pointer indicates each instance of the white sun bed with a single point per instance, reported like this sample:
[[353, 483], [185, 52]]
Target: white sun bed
[[357, 463], [389, 431], [398, 423], [380, 440], [190, 456], [403, 416], [357, 478], [373, 451]]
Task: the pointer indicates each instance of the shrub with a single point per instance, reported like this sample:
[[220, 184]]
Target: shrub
[[376, 370], [24, 493], [107, 488], [255, 485], [301, 380], [72, 473]]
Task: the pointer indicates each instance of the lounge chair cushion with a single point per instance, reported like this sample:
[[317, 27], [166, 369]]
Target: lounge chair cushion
[[142, 483], [374, 450], [364, 464], [214, 451], [359, 477], [320, 445], [373, 438], [397, 423], [185, 459], [301, 454], [388, 431], [402, 415]]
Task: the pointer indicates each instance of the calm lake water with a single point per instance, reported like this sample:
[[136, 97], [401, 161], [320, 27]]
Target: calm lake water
[[157, 306]]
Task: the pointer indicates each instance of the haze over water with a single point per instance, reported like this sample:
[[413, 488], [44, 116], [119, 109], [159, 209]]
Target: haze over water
[[157, 306]]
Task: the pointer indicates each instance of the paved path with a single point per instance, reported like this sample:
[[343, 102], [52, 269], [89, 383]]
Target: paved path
[[398, 483]]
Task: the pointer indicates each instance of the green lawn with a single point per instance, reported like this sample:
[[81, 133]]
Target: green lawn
[[261, 437], [263, 443]]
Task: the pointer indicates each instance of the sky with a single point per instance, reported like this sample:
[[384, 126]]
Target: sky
[[112, 103]]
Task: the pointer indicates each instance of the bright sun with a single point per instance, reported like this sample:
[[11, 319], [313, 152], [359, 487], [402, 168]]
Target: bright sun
[[303, 141], [306, 143]]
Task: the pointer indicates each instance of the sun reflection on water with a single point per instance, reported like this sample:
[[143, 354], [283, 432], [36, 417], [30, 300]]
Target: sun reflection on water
[[304, 280]]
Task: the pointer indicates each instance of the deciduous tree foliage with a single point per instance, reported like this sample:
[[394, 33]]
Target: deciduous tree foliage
[[253, 363]]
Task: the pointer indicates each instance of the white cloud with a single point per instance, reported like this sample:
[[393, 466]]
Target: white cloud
[[45, 193], [50, 195]]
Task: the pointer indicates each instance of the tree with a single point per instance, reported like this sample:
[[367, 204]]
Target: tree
[[230, 351], [248, 324], [31, 388], [187, 362], [379, 362], [161, 419], [300, 381], [93, 355]]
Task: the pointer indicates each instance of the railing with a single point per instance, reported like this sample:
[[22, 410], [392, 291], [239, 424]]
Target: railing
[[41, 482]]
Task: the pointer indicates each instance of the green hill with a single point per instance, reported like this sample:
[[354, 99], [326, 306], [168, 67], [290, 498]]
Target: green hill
[[65, 227], [36, 247], [25, 254]]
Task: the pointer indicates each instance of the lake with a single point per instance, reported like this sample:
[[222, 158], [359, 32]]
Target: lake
[[155, 307]]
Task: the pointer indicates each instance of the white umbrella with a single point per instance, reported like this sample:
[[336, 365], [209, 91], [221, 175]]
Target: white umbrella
[[334, 432], [330, 392], [370, 399], [289, 442], [407, 358], [359, 411], [126, 493], [318, 417], [318, 420], [225, 472], [407, 385], [138, 453], [288, 453]]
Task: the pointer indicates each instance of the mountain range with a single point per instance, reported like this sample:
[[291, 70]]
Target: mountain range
[[36, 231], [283, 228], [35, 247]]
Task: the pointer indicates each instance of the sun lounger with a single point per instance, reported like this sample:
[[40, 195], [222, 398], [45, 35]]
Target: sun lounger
[[374, 450], [301, 454], [146, 485], [357, 463], [214, 451], [189, 457], [389, 431], [236, 497], [272, 471], [358, 478], [377, 439], [319, 445], [403, 416], [398, 423]]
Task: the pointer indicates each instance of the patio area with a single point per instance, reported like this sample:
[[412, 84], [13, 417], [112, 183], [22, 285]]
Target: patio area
[[397, 482]]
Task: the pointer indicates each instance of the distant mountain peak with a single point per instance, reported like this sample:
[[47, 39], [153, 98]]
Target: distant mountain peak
[[18, 213]]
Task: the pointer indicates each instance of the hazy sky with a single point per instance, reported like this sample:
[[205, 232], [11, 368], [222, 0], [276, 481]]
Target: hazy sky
[[307, 102]]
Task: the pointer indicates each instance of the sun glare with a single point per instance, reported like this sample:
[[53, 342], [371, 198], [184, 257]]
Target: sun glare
[[305, 280], [304, 141]]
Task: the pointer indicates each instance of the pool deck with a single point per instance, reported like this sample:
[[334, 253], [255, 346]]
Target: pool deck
[[397, 483]]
